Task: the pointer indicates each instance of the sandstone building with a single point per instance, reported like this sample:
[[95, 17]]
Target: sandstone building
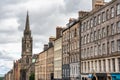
[[100, 42], [71, 50], [58, 54]]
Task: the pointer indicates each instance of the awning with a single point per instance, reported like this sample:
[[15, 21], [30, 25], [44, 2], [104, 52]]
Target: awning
[[90, 76], [115, 76]]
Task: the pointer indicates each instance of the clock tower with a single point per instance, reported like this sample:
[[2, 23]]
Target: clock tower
[[27, 44], [26, 55]]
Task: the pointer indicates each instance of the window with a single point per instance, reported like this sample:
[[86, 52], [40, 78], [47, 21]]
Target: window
[[103, 48], [85, 53], [92, 66], [95, 51], [118, 9], [95, 35], [88, 38], [91, 52], [87, 25], [27, 60], [95, 21], [108, 47], [100, 65], [82, 28], [103, 32], [96, 65], [109, 65], [108, 30], [113, 46], [91, 23], [85, 66], [99, 19], [104, 65], [112, 12], [88, 52], [107, 14], [113, 29], [75, 32], [99, 49], [118, 27], [113, 63], [88, 65], [119, 64], [81, 40], [91, 37], [103, 17], [118, 45], [85, 39], [99, 34], [82, 53]]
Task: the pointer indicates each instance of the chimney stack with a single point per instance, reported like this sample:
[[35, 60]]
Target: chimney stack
[[58, 32], [45, 47], [97, 4]]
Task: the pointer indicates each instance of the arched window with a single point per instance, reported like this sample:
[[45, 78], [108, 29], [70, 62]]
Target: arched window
[[75, 33], [27, 60]]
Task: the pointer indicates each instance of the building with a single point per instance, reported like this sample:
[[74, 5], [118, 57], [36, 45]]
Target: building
[[74, 49], [58, 54], [26, 59], [9, 75], [100, 42], [50, 62], [44, 64], [40, 66], [65, 55], [71, 50], [16, 70]]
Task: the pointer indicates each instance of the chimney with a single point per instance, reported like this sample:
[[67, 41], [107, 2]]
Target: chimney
[[71, 19], [82, 13], [97, 4], [51, 41], [45, 47], [58, 32]]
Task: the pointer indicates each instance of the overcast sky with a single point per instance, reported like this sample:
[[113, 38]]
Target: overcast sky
[[45, 16]]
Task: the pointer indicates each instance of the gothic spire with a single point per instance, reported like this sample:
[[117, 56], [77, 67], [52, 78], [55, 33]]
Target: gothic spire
[[27, 26]]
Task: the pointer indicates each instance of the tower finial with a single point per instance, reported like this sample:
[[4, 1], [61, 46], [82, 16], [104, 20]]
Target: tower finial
[[27, 27]]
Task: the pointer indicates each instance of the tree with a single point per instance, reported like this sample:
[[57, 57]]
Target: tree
[[32, 76]]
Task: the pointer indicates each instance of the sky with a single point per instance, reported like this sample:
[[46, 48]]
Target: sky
[[45, 16]]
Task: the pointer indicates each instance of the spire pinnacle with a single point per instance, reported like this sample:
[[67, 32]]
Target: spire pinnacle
[[27, 27]]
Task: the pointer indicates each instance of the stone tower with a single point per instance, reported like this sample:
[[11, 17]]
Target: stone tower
[[97, 3], [27, 44], [26, 55]]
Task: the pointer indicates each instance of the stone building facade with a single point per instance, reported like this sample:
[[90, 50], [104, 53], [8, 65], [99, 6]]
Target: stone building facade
[[65, 55], [16, 70], [50, 64], [58, 54], [40, 66], [71, 50], [9, 75], [74, 50], [44, 65], [100, 42]]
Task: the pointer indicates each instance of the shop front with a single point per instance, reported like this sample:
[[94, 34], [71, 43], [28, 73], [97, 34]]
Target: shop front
[[97, 76], [115, 76]]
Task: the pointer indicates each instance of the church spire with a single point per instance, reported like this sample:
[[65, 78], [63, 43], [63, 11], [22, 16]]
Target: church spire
[[27, 26]]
